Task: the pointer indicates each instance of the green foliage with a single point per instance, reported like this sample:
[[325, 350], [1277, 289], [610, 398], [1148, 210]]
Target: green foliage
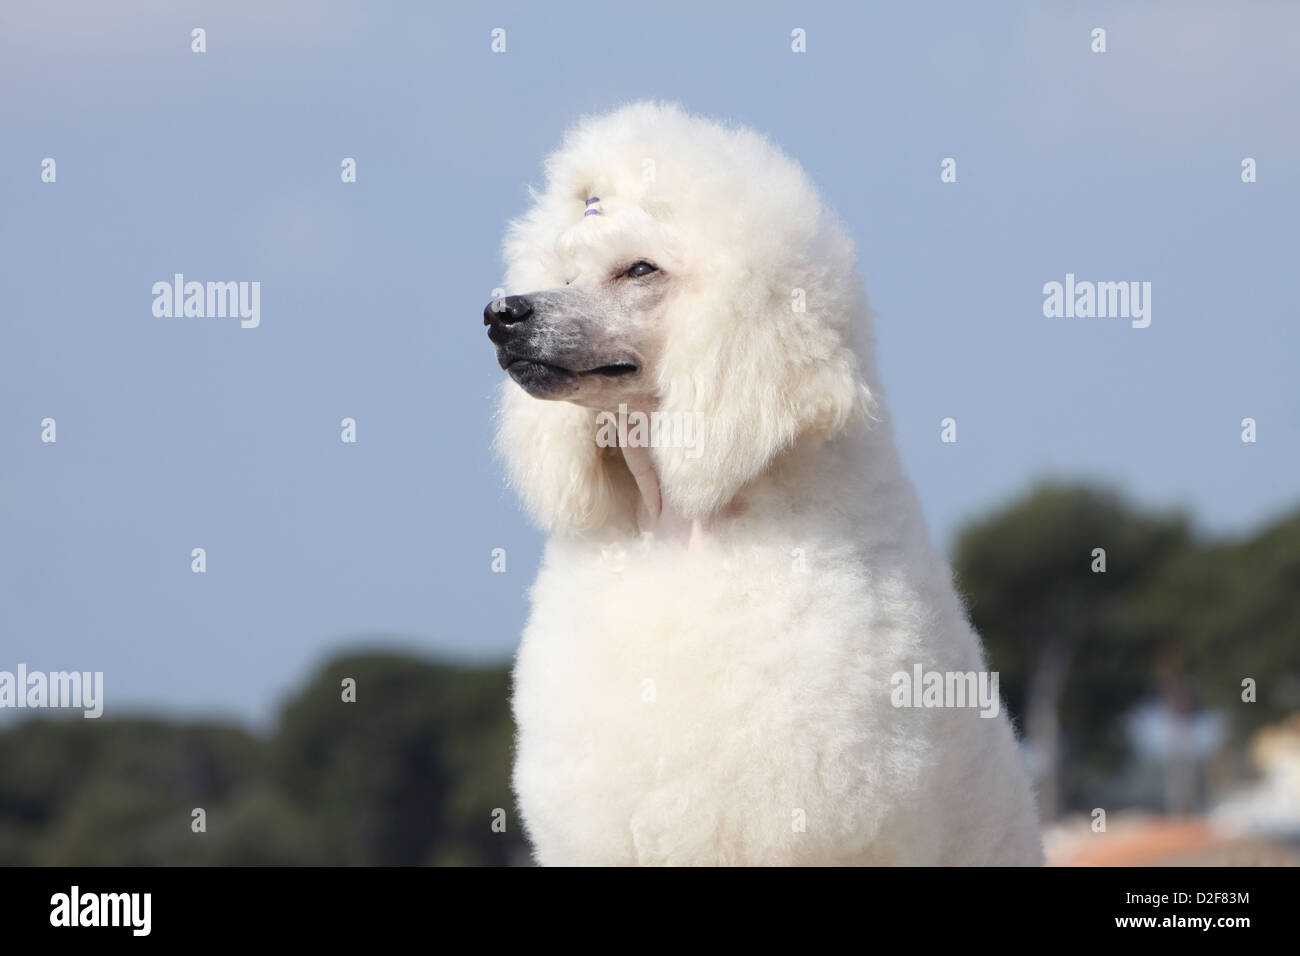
[[1209, 614], [1027, 575], [1235, 609], [408, 774]]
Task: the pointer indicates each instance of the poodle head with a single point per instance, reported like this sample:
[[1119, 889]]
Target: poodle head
[[685, 270]]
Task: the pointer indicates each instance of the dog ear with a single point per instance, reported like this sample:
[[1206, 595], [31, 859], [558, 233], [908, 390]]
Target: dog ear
[[567, 481], [757, 367]]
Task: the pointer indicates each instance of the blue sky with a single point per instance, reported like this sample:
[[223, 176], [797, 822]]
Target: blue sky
[[179, 433]]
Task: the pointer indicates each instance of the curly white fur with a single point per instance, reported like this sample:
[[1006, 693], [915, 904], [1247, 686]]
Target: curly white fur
[[723, 694]]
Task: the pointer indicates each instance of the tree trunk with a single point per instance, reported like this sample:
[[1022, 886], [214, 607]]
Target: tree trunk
[[1180, 761], [1043, 723]]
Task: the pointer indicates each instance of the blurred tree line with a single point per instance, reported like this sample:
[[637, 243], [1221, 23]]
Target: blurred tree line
[[412, 772], [409, 774], [1171, 619]]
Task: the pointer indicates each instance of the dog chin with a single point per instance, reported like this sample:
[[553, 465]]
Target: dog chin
[[541, 380]]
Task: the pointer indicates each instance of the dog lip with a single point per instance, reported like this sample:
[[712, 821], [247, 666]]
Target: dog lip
[[541, 379], [510, 362], [517, 360], [614, 369]]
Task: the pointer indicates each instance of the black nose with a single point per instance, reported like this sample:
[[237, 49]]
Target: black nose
[[507, 310]]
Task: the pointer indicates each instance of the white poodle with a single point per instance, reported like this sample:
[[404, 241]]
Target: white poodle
[[742, 647]]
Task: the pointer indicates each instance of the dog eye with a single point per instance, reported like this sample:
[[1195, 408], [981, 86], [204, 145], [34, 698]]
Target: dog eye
[[640, 269]]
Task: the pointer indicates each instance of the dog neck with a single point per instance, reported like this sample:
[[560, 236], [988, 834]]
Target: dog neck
[[656, 515]]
